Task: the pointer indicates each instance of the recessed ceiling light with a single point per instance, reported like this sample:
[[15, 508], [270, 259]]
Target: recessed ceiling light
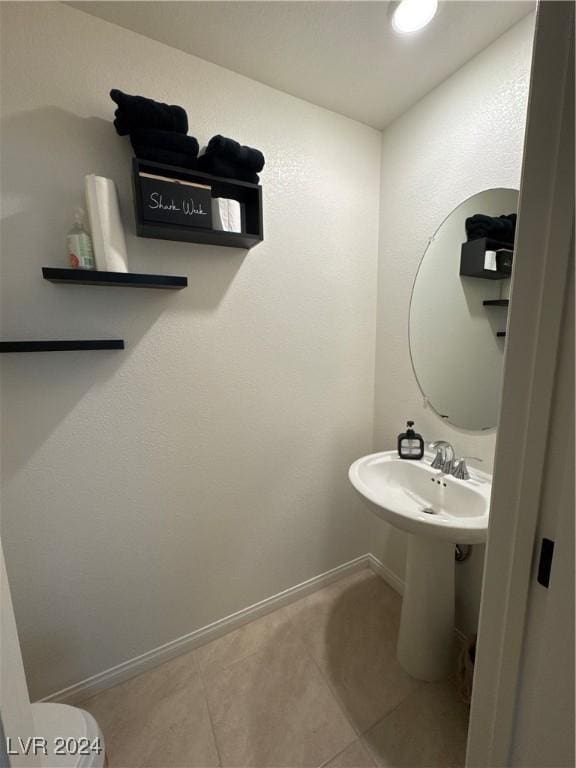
[[412, 15]]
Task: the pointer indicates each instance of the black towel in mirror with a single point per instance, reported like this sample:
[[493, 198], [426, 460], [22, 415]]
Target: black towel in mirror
[[500, 228]]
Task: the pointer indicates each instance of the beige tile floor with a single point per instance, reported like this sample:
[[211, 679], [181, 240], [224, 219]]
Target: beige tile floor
[[313, 684]]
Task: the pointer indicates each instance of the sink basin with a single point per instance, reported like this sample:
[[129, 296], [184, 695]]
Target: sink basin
[[436, 511], [418, 499]]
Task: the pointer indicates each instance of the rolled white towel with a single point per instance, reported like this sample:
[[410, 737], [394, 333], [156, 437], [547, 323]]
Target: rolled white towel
[[105, 224], [226, 214]]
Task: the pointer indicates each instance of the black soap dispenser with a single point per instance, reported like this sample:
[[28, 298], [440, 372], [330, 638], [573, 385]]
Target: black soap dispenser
[[410, 443]]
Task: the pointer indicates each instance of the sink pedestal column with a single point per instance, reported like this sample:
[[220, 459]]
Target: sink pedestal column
[[426, 639]]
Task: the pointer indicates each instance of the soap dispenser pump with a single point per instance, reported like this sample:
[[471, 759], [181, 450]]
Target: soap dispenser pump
[[410, 443]]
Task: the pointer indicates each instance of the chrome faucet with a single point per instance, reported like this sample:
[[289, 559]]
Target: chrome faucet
[[444, 459]]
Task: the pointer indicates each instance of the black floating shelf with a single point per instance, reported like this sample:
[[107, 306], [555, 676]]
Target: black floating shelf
[[496, 302], [472, 259], [60, 346], [127, 279], [501, 334], [249, 195], [197, 235]]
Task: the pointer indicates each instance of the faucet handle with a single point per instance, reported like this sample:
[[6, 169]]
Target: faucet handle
[[460, 470], [444, 459], [440, 458]]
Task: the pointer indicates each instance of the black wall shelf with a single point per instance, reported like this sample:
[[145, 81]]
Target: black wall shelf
[[472, 259], [250, 195], [61, 345], [496, 302], [501, 334], [127, 279]]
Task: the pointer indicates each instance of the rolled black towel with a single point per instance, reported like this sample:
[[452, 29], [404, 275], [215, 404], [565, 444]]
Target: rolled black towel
[[501, 228], [152, 145], [136, 113], [244, 157], [219, 166], [164, 156], [166, 140]]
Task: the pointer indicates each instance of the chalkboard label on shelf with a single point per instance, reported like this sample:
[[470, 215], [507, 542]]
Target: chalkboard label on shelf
[[172, 201]]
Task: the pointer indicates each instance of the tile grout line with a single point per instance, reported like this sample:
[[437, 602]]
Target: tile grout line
[[328, 684], [294, 625], [370, 751], [373, 754], [325, 763], [360, 733], [323, 677], [337, 702], [363, 735], [210, 718], [205, 674], [394, 708], [308, 653]]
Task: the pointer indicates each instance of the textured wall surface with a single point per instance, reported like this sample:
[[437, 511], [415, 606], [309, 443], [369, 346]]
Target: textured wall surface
[[464, 137], [149, 492]]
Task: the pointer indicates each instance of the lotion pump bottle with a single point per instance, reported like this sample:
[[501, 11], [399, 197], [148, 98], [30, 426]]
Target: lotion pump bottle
[[410, 443], [79, 244]]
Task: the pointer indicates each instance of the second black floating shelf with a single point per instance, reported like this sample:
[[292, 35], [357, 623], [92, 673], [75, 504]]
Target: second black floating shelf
[[126, 279], [61, 345], [496, 302]]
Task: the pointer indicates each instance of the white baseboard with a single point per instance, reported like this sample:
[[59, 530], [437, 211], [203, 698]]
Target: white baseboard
[[382, 570], [76, 693]]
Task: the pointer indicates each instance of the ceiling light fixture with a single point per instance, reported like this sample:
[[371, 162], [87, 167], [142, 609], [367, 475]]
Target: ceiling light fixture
[[412, 15]]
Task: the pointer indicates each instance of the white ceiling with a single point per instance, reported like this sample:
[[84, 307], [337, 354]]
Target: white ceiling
[[340, 55]]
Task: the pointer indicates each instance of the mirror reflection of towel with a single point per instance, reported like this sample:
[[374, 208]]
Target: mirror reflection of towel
[[500, 228]]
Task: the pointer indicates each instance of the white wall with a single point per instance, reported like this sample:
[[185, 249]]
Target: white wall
[[462, 138], [149, 492]]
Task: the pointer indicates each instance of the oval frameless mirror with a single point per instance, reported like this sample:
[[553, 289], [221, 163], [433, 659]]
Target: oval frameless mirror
[[456, 352]]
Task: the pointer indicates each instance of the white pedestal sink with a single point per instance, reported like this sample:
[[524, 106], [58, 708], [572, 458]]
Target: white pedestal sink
[[437, 511]]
